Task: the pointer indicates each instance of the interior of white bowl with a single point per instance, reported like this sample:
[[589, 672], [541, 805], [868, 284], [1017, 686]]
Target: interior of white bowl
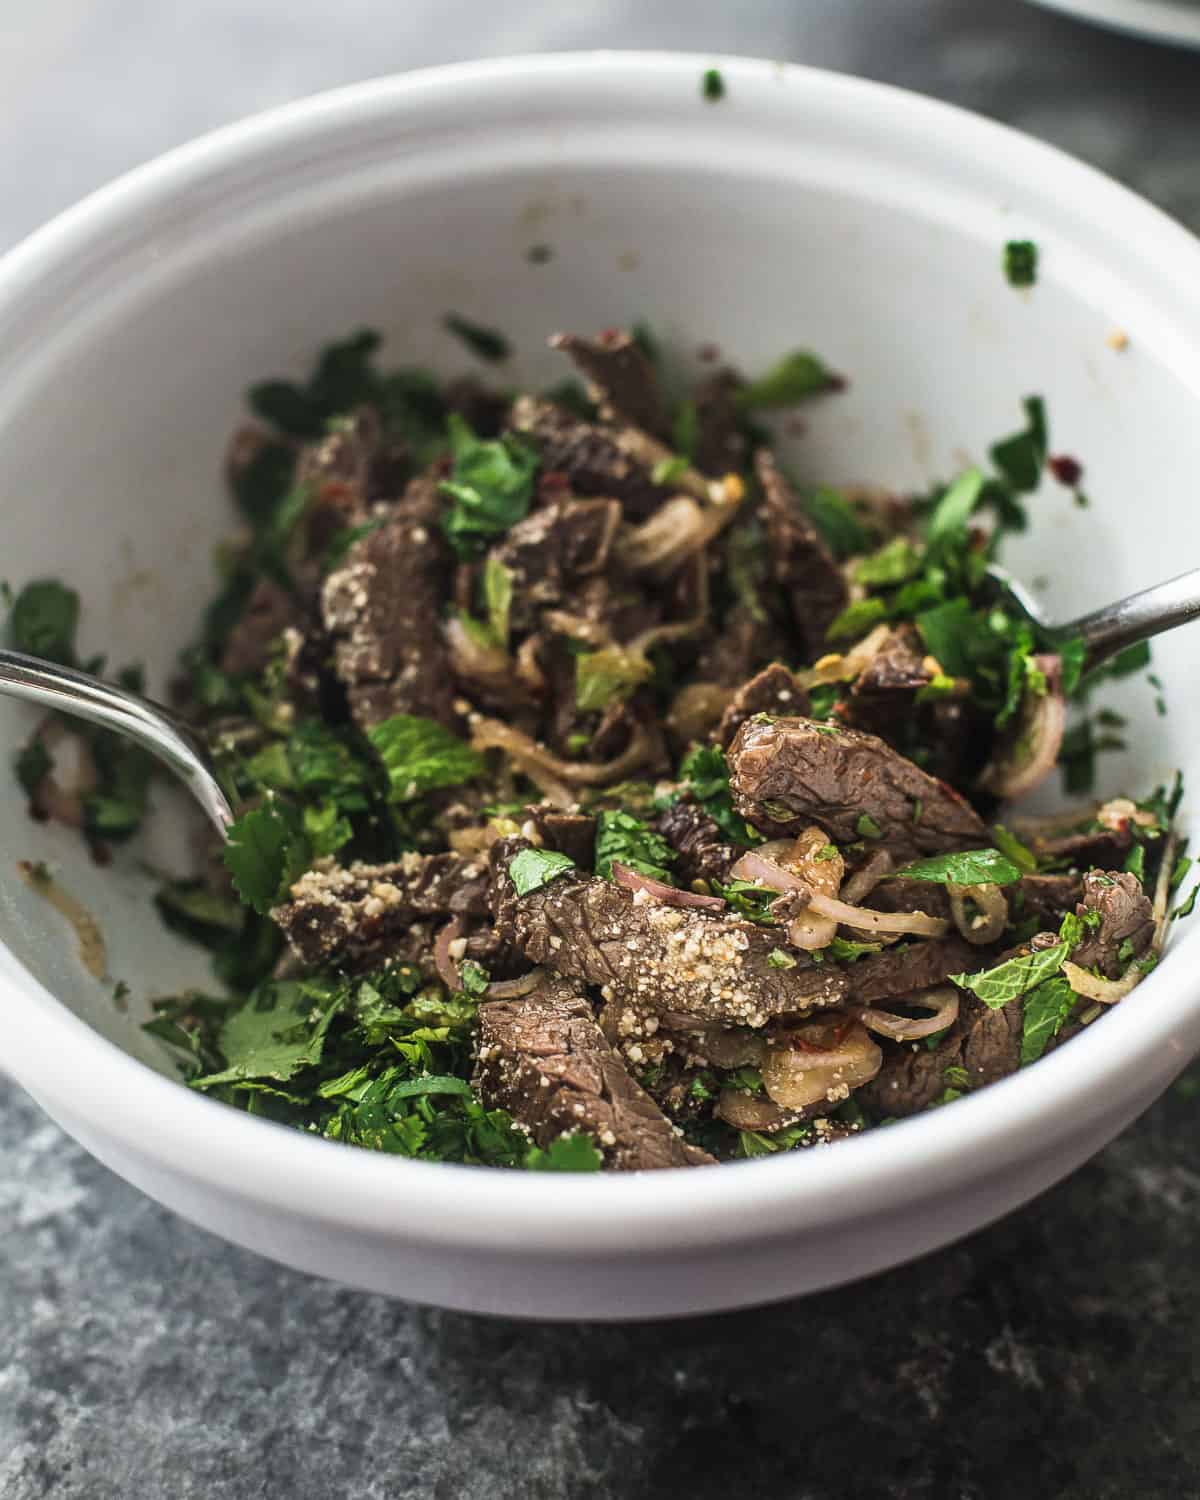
[[800, 211]]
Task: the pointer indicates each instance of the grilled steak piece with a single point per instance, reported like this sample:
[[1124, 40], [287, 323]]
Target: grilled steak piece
[[801, 564], [882, 696], [626, 378], [356, 916], [1105, 847], [905, 970], [1126, 917], [383, 609], [788, 773], [573, 834], [546, 1061], [590, 458], [696, 838], [548, 552], [774, 690], [1046, 897], [659, 957], [984, 1043], [721, 446]]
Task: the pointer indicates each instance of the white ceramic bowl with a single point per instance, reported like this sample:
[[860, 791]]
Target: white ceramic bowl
[[803, 210]]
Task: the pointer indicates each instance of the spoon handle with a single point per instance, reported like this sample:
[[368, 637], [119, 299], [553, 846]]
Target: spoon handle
[[155, 728], [1111, 629]]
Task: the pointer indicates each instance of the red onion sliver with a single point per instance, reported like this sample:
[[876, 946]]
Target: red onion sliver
[[753, 866], [863, 917], [669, 895], [944, 1001], [442, 962]]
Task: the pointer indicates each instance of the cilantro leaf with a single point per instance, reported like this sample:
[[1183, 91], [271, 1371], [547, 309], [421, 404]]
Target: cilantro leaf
[[608, 676], [622, 837], [487, 343], [996, 987], [575, 1152], [272, 1035], [491, 486], [794, 379], [43, 621], [1046, 1008], [421, 755], [972, 867], [704, 772], [265, 852], [531, 869], [846, 950], [753, 902]]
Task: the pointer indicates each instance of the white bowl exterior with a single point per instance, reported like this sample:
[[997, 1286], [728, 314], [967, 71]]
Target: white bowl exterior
[[803, 210]]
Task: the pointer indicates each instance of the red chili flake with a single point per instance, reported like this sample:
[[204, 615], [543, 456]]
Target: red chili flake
[[708, 354], [1066, 470]]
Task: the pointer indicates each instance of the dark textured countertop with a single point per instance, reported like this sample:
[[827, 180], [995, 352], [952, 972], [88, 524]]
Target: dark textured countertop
[[1049, 1356]]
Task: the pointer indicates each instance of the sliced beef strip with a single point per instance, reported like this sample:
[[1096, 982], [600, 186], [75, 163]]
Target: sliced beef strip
[[358, 915], [721, 448], [659, 957], [801, 564], [908, 968], [1105, 847], [337, 468], [383, 611], [787, 773], [573, 834], [774, 690], [697, 840], [1127, 916], [269, 611], [551, 550], [985, 1043], [588, 455], [627, 380], [545, 1060], [882, 696]]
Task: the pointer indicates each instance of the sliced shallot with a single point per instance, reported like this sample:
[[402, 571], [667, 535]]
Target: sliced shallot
[[992, 912], [917, 922], [669, 895], [1106, 991], [512, 989], [942, 1002], [1031, 749], [442, 961], [867, 877], [816, 1059]]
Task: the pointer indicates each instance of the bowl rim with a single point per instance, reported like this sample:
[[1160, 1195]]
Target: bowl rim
[[639, 1213]]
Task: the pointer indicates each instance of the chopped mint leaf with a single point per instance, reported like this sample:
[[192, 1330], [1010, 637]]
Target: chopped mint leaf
[[473, 977], [857, 618], [531, 869], [1046, 1008], [971, 867], [421, 755], [622, 837], [1014, 850], [44, 619], [794, 379], [486, 343], [341, 380], [669, 470], [685, 432], [1020, 262], [569, 1153], [497, 597], [948, 523], [608, 676], [712, 85], [779, 959], [895, 562], [845, 950], [753, 902], [997, 986], [866, 827], [265, 852], [491, 485]]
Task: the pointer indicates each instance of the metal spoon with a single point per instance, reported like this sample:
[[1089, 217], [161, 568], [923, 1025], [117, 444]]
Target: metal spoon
[[1105, 632], [147, 723], [1110, 630]]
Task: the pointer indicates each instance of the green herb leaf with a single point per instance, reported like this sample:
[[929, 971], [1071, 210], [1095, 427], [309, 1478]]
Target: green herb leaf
[[497, 597], [753, 902], [44, 619], [841, 530], [608, 676], [856, 619], [491, 486], [894, 562], [486, 343], [845, 950], [704, 772], [779, 959], [531, 869], [473, 977], [996, 987], [1072, 655], [669, 470], [712, 85], [421, 755], [274, 1035], [622, 837], [569, 1153], [1020, 262], [685, 432], [1046, 1008], [948, 523], [1022, 457], [972, 867], [866, 827], [1014, 850], [794, 379], [266, 851]]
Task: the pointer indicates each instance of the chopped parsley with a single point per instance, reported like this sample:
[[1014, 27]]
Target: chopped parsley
[[866, 827], [486, 343], [712, 85], [341, 379], [266, 850], [574, 1152], [531, 869], [1020, 262], [43, 620], [622, 837], [779, 958], [753, 902], [1022, 457]]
